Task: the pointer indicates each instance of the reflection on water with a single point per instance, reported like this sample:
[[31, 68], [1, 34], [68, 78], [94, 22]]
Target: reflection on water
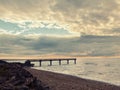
[[102, 69]]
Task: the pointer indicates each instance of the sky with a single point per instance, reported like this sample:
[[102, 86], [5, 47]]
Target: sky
[[60, 27]]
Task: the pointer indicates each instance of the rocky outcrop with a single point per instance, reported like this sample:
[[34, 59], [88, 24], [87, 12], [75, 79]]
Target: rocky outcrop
[[28, 63], [2, 62], [14, 77]]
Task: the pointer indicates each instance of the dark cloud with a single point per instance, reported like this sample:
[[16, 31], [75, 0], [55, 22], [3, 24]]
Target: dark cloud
[[85, 45]]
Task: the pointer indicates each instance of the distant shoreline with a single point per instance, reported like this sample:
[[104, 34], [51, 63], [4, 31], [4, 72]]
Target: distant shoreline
[[46, 57]]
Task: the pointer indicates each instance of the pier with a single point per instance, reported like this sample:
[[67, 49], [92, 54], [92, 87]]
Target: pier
[[28, 62], [51, 60]]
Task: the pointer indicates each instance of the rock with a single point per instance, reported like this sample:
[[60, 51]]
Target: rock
[[28, 63], [15, 77], [2, 62]]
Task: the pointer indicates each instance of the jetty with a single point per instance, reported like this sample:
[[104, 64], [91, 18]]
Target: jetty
[[51, 60], [29, 62]]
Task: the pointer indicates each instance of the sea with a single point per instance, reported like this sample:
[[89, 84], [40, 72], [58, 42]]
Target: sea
[[100, 69]]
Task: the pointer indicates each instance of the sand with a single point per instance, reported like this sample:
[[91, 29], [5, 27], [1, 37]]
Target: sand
[[66, 82]]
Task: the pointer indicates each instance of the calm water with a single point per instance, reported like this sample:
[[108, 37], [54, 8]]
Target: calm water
[[101, 69]]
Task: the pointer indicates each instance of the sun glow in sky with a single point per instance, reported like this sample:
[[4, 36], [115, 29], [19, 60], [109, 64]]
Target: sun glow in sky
[[60, 27]]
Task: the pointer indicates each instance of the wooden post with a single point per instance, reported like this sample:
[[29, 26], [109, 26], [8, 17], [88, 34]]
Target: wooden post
[[50, 62], [40, 62], [67, 61], [74, 61], [59, 61]]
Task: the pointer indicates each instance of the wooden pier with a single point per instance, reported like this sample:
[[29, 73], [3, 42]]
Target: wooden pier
[[51, 60], [29, 61]]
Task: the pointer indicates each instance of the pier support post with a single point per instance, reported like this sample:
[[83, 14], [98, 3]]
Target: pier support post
[[74, 61], [50, 62], [40, 62], [67, 61], [59, 61]]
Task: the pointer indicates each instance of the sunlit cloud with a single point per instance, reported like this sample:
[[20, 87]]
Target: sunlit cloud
[[85, 17]]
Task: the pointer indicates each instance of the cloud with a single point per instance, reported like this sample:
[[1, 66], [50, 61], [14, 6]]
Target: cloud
[[84, 46], [25, 10], [82, 16], [89, 17]]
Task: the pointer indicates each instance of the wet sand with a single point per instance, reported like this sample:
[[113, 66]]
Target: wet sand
[[66, 82]]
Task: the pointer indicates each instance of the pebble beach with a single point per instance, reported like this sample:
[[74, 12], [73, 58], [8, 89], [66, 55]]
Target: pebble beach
[[58, 81]]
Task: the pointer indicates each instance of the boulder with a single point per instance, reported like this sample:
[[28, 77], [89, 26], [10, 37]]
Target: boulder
[[28, 63], [15, 77]]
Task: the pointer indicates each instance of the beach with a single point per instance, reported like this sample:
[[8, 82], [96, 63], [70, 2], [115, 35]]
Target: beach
[[57, 81]]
